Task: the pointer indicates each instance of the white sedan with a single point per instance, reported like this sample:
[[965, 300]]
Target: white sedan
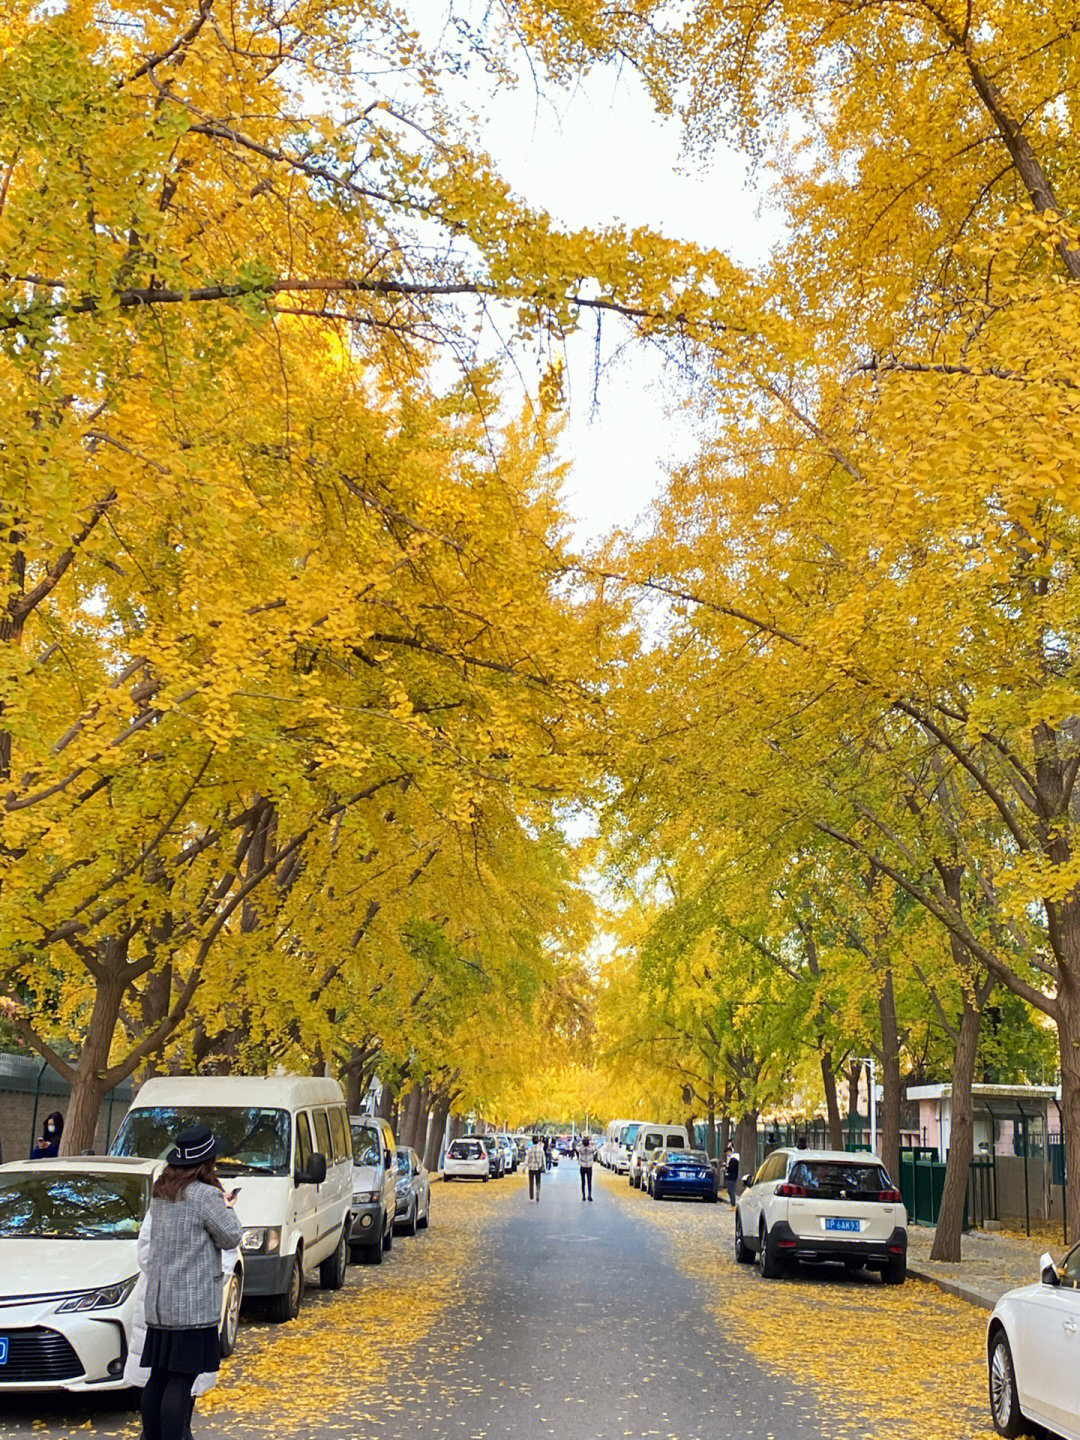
[[1033, 1352], [68, 1235]]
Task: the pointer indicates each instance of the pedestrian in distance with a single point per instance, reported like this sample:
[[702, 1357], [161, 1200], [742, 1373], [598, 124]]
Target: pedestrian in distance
[[585, 1160], [731, 1172], [801, 1143], [48, 1142], [547, 1152], [535, 1163], [191, 1222]]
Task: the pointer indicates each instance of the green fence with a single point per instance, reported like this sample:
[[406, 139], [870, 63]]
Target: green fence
[[922, 1184]]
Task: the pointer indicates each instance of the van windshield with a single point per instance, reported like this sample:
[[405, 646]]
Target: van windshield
[[629, 1135], [366, 1149], [250, 1140]]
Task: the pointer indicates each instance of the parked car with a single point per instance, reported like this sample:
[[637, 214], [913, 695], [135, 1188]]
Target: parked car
[[68, 1269], [496, 1157], [413, 1192], [510, 1154], [286, 1139], [650, 1138], [467, 1159], [374, 1188], [1033, 1352], [822, 1205], [682, 1173]]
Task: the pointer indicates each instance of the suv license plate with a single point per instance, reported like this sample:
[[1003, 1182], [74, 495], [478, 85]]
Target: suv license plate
[[3, 1349], [833, 1223]]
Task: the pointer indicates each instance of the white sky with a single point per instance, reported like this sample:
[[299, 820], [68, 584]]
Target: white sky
[[593, 157]]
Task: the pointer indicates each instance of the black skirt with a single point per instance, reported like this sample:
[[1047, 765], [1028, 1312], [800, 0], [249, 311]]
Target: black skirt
[[195, 1351]]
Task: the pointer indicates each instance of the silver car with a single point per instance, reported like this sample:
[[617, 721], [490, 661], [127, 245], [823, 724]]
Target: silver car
[[413, 1193]]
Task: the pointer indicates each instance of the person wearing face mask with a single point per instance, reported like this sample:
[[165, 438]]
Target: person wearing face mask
[[48, 1142]]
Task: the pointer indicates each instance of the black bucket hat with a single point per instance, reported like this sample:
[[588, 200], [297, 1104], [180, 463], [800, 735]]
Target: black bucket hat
[[193, 1147]]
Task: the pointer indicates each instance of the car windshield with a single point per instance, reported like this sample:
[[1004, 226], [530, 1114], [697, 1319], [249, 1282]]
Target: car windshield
[[465, 1150], [831, 1177], [250, 1140], [52, 1205], [365, 1145]]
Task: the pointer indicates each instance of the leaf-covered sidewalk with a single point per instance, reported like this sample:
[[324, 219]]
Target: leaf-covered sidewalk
[[992, 1261]]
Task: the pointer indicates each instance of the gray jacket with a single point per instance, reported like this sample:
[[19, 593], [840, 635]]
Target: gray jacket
[[183, 1268]]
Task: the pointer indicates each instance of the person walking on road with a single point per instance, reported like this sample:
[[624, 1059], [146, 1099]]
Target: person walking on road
[[191, 1222], [547, 1152], [731, 1172], [534, 1163], [584, 1160]]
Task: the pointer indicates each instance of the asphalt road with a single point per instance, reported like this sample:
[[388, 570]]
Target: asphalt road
[[553, 1319]]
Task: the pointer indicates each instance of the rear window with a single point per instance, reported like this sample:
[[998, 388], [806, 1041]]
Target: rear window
[[688, 1157], [674, 1140], [837, 1178], [465, 1150]]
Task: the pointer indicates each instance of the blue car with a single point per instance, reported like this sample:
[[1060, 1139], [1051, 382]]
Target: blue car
[[688, 1174]]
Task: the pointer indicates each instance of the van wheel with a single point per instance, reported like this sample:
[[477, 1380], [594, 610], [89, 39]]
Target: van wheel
[[230, 1322], [332, 1269], [286, 1306]]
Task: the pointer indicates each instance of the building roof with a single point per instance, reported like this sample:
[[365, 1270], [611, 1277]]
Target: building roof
[[986, 1092]]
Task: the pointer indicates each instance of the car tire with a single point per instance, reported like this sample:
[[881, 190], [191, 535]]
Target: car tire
[[743, 1254], [412, 1222], [230, 1322], [657, 1193], [373, 1254], [388, 1238], [767, 1261], [332, 1269], [1004, 1403], [895, 1273], [286, 1306], [424, 1221]]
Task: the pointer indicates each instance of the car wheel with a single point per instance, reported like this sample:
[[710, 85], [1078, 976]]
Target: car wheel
[[743, 1254], [1004, 1405], [768, 1264], [425, 1220], [286, 1306], [230, 1321], [896, 1272], [388, 1237], [332, 1269], [657, 1193], [411, 1222], [486, 1179], [373, 1253]]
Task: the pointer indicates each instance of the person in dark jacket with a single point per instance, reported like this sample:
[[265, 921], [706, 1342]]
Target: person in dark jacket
[[192, 1221], [48, 1142], [731, 1172]]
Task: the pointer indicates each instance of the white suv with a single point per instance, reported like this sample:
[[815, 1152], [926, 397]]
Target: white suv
[[822, 1205]]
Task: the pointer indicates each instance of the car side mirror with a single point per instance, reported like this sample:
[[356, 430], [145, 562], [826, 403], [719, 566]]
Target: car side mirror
[[315, 1173], [1048, 1271]]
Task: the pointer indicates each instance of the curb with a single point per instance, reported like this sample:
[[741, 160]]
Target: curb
[[951, 1287]]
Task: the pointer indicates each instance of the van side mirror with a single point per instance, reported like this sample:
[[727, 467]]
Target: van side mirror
[[315, 1173], [1048, 1271]]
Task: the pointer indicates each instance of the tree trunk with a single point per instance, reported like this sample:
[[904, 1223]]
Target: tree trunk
[[435, 1132], [950, 1221], [854, 1079], [89, 1085], [889, 1139], [710, 1138], [385, 1107], [407, 1116], [832, 1104], [355, 1088], [746, 1142], [1068, 1023]]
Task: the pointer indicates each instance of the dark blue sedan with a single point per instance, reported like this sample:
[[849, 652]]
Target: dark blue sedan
[[682, 1173]]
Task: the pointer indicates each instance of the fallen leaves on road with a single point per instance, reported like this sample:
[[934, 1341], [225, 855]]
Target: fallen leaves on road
[[908, 1363]]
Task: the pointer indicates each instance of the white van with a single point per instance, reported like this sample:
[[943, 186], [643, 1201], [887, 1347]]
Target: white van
[[651, 1137], [283, 1141], [611, 1143], [624, 1145]]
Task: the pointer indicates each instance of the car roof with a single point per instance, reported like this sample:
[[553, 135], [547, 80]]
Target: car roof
[[86, 1165], [265, 1091], [841, 1155]]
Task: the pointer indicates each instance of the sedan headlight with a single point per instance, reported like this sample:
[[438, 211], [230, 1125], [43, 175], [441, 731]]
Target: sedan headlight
[[106, 1297], [261, 1240], [365, 1197]]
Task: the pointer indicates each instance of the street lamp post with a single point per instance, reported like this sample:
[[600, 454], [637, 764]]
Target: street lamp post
[[868, 1061]]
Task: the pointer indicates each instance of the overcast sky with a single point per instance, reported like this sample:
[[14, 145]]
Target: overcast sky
[[590, 158]]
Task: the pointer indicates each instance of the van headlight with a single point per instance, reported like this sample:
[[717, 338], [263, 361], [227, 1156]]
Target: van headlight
[[106, 1297], [365, 1197], [261, 1240]]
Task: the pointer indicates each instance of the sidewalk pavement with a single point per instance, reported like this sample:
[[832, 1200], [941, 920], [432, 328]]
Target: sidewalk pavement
[[993, 1262]]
